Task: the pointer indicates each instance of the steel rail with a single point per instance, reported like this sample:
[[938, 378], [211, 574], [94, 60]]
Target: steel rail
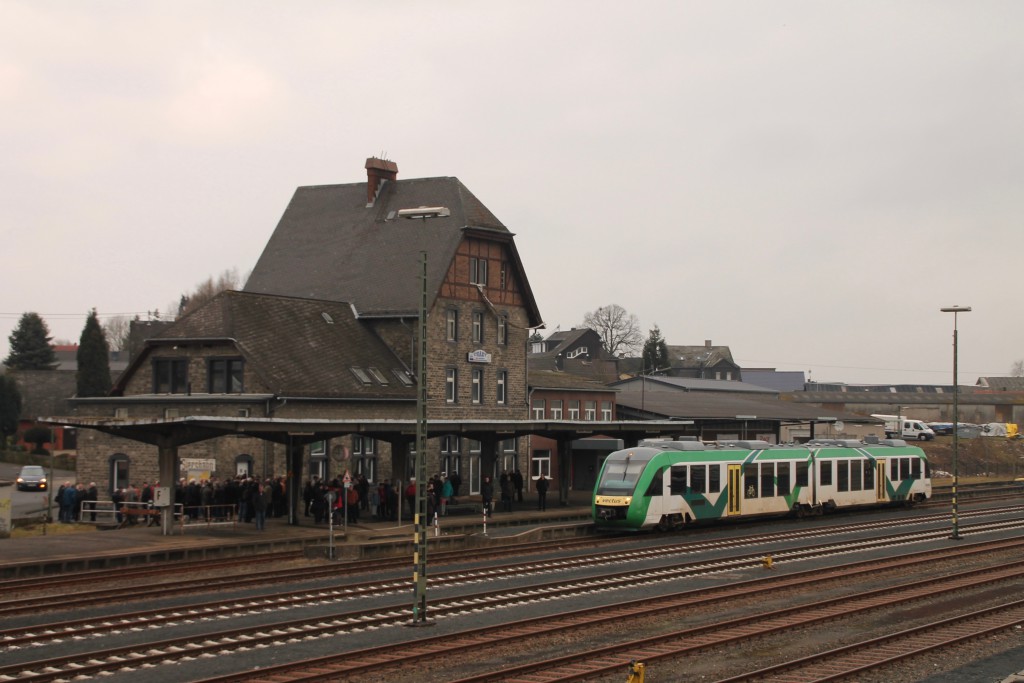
[[273, 634]]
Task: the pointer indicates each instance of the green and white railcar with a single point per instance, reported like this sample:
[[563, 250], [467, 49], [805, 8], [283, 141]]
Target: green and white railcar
[[666, 484]]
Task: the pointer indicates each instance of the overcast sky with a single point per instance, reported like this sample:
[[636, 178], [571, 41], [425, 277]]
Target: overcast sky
[[804, 182]]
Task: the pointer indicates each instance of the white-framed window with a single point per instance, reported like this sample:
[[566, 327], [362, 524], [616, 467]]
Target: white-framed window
[[502, 329], [478, 271], [509, 454], [452, 324], [574, 409], [537, 408], [590, 411], [451, 383], [556, 409], [606, 411], [503, 275], [477, 378], [450, 444], [478, 326], [501, 388], [540, 464], [318, 448]]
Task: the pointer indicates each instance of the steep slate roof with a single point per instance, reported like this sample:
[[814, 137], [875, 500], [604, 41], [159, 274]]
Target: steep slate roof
[[291, 346], [1001, 383], [329, 245]]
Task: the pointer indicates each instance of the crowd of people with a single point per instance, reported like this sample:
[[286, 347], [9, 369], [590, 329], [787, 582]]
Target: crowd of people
[[74, 501], [255, 499]]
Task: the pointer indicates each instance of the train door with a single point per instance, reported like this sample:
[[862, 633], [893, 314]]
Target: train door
[[735, 489], [880, 490]]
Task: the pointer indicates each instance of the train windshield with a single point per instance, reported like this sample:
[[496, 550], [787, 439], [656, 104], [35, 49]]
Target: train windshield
[[621, 472]]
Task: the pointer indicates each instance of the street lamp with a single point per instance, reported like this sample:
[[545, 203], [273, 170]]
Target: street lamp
[[956, 414], [420, 522]]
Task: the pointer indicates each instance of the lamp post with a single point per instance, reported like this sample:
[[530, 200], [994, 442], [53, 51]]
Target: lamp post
[[420, 521], [956, 414]]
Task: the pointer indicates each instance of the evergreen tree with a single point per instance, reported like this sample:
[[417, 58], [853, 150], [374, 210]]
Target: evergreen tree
[[10, 408], [30, 345], [93, 374], [655, 354]]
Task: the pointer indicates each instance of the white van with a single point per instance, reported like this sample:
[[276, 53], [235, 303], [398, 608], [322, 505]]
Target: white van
[[899, 427]]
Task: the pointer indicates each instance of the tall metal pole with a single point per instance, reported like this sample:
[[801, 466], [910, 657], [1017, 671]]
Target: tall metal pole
[[956, 416], [420, 522]]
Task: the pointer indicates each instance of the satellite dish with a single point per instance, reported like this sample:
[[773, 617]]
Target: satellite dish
[[839, 425]]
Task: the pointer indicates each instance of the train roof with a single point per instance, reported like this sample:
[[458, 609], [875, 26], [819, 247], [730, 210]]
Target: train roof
[[750, 451]]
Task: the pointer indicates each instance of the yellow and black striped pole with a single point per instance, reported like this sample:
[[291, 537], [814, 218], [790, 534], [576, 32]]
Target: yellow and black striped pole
[[956, 416], [420, 523]]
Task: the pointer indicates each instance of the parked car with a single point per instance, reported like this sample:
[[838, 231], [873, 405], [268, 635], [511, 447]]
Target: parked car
[[941, 428], [32, 477]]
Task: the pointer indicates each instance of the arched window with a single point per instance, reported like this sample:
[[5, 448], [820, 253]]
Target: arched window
[[243, 465]]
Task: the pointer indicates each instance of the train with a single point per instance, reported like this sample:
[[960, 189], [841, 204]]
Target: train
[[671, 484]]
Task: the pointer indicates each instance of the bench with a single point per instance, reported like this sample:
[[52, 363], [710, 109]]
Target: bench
[[128, 515]]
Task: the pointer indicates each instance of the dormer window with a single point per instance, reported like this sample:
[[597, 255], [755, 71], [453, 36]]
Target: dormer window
[[170, 375], [580, 351], [225, 375]]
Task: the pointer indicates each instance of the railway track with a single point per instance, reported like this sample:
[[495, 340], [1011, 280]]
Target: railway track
[[580, 666], [154, 653], [878, 653], [282, 600]]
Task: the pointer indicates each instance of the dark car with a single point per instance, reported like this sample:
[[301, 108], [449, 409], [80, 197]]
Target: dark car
[[32, 477], [941, 428]]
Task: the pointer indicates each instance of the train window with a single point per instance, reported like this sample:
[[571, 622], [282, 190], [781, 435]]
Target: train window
[[715, 479], [783, 478], [894, 469], [904, 468], [869, 475], [698, 478], [801, 474], [750, 481], [767, 480], [856, 473], [657, 484], [825, 473], [677, 484], [843, 476], [620, 474]]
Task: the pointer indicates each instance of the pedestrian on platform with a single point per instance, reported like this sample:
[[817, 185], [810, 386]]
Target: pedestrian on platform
[[507, 491], [446, 495], [487, 495], [542, 493], [517, 481], [260, 502], [92, 494]]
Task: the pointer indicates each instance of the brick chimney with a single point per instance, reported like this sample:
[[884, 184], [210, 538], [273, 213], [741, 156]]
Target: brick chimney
[[377, 172]]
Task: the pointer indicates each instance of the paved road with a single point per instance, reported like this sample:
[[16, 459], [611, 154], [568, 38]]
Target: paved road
[[30, 503]]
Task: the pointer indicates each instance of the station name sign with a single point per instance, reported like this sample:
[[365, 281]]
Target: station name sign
[[478, 356]]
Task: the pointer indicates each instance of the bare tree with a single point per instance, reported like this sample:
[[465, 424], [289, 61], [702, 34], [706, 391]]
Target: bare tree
[[117, 330], [209, 288], [1017, 369], [619, 330]]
